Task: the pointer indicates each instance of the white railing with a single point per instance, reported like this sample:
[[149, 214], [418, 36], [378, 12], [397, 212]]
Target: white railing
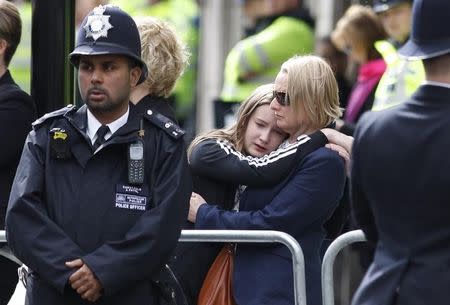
[[241, 236], [328, 261]]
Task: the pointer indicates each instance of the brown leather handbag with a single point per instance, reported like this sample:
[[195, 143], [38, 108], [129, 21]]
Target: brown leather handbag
[[217, 287]]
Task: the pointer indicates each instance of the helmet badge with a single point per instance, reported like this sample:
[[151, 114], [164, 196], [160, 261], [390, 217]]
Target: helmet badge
[[97, 25]]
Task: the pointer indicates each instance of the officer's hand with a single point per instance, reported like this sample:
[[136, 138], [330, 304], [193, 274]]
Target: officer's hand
[[194, 204], [84, 281]]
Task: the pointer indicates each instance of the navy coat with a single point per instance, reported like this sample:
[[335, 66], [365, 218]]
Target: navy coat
[[401, 191], [83, 207], [298, 205]]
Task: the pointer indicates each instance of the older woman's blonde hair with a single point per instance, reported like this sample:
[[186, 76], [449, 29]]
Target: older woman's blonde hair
[[311, 83], [235, 134], [165, 55], [359, 28]]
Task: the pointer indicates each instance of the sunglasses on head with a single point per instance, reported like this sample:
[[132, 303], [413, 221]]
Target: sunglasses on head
[[281, 97]]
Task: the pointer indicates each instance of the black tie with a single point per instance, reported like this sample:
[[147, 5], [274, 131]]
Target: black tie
[[101, 132]]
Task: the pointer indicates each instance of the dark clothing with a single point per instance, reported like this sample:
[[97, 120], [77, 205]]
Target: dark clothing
[[298, 205], [217, 170], [363, 93], [17, 111], [82, 206], [400, 191], [156, 103]]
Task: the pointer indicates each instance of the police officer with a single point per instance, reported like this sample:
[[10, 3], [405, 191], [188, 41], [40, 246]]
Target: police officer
[[100, 192], [282, 29], [401, 204], [401, 77]]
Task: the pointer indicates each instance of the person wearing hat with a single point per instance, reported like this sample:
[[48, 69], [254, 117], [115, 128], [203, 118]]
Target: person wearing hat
[[401, 176], [402, 77], [101, 192]]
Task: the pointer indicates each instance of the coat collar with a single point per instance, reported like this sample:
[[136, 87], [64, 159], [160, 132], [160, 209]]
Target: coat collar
[[7, 79], [430, 94]]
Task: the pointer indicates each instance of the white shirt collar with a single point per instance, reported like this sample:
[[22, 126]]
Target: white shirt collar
[[433, 83], [93, 125]]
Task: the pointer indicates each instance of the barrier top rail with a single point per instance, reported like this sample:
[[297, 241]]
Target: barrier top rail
[[242, 236], [328, 261]]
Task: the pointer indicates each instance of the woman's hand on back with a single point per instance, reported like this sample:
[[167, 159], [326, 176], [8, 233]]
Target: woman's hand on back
[[195, 202]]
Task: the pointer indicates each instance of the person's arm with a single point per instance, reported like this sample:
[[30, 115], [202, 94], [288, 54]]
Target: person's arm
[[313, 191], [33, 237], [340, 143], [148, 244], [360, 206], [219, 160]]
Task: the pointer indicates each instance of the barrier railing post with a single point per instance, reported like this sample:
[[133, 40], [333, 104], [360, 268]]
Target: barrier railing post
[[242, 236], [253, 236], [328, 261]]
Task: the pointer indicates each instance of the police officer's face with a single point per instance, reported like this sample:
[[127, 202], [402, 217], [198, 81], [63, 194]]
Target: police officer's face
[[397, 21], [105, 83]]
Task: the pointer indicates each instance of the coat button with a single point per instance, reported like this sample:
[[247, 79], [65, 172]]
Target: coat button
[[149, 112]]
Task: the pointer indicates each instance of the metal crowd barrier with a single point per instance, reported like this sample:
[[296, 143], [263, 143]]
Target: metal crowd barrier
[[253, 236], [328, 261], [242, 236]]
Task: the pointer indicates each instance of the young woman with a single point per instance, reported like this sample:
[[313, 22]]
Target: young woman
[[306, 100]]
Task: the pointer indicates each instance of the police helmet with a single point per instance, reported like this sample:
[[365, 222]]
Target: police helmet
[[430, 35], [380, 6], [109, 30]]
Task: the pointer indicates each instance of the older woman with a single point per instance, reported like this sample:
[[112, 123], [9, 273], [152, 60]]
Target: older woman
[[305, 100], [166, 58]]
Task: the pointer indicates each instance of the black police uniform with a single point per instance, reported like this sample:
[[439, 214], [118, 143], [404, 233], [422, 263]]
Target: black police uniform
[[82, 206]]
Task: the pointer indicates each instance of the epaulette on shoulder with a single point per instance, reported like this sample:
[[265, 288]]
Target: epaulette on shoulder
[[163, 122], [53, 114]]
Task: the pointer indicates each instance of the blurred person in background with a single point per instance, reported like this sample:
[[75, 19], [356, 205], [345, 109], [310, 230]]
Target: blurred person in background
[[279, 30], [402, 77], [355, 34], [20, 66], [338, 61], [17, 112], [184, 16], [166, 57]]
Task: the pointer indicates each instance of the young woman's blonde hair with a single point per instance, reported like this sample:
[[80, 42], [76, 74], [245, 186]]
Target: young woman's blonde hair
[[311, 83], [165, 55], [359, 28], [235, 134]]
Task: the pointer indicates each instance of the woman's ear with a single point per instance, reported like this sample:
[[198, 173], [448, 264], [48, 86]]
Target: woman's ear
[[3, 46]]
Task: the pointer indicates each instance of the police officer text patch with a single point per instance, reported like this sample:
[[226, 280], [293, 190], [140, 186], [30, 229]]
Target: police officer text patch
[[130, 198]]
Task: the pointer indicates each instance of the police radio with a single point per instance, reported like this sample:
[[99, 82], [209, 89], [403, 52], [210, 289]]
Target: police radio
[[136, 160]]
